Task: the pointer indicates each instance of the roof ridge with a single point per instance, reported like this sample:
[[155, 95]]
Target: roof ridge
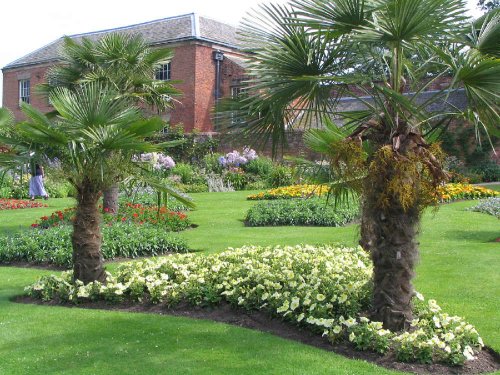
[[132, 26]]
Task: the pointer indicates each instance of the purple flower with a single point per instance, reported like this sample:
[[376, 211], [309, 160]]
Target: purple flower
[[249, 153]]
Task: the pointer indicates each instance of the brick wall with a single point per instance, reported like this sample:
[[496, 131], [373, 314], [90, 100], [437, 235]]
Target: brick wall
[[183, 66], [11, 77], [192, 66]]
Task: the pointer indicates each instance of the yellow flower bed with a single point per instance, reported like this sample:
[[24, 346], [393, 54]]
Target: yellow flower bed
[[451, 192], [446, 193], [294, 191]]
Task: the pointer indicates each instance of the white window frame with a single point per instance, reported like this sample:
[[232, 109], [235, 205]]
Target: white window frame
[[24, 91], [236, 91], [165, 68]]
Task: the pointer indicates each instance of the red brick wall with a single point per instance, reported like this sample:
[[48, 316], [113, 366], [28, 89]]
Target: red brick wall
[[183, 70], [192, 65], [204, 89], [11, 77]]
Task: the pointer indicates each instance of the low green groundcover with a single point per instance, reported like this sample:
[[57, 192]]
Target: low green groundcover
[[53, 245], [312, 211], [327, 289]]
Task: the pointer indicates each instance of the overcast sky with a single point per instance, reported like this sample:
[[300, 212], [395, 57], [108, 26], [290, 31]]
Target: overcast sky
[[30, 24]]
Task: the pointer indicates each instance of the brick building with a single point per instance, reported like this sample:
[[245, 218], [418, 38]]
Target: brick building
[[207, 61]]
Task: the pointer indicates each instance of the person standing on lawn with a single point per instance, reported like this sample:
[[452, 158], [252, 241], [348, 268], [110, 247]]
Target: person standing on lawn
[[36, 183]]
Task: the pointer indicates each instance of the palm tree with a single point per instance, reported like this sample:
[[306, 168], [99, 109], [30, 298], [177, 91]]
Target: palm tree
[[95, 136], [384, 55], [124, 62]]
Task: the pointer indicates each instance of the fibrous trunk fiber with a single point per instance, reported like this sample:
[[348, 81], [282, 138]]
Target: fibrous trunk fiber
[[88, 264], [110, 199], [390, 237]]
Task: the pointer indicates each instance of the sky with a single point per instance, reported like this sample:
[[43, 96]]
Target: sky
[[30, 24]]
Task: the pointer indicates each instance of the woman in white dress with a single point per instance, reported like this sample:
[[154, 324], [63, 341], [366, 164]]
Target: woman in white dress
[[36, 184]]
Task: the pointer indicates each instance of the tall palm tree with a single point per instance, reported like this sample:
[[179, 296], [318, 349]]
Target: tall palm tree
[[384, 55], [95, 136], [123, 61]]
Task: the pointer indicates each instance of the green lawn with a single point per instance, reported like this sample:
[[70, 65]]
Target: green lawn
[[458, 267], [15, 220]]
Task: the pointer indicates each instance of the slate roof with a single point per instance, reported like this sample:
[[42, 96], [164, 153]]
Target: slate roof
[[165, 30]]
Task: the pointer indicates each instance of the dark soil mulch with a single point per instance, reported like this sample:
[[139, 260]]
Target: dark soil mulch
[[487, 360]]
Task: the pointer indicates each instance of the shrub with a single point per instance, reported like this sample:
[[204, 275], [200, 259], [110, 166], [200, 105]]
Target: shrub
[[236, 178], [53, 245], [314, 211], [281, 176], [59, 189], [261, 167], [323, 288], [211, 163], [489, 171], [187, 173], [489, 206]]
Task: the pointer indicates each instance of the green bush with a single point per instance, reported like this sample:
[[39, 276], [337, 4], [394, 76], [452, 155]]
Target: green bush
[[313, 211], [281, 176], [488, 172], [211, 163], [238, 180], [262, 167], [59, 189], [188, 174], [53, 245], [190, 188]]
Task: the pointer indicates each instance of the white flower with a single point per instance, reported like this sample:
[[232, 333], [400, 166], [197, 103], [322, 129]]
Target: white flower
[[300, 317], [337, 329], [284, 307], [295, 303], [320, 297], [350, 322], [352, 336], [468, 353], [448, 336], [419, 296], [437, 323]]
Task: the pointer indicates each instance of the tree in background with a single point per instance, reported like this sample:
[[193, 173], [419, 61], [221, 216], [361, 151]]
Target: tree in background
[[383, 54], [124, 62]]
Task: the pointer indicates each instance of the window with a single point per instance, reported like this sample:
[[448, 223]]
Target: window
[[24, 91], [163, 72], [236, 91]]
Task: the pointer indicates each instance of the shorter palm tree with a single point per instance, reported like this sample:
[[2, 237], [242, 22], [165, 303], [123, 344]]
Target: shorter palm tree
[[95, 136]]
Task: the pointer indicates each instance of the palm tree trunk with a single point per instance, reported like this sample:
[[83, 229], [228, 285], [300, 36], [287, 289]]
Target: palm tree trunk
[[88, 264], [110, 199], [390, 237]]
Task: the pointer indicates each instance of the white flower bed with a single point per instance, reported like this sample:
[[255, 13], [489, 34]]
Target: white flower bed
[[325, 288]]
